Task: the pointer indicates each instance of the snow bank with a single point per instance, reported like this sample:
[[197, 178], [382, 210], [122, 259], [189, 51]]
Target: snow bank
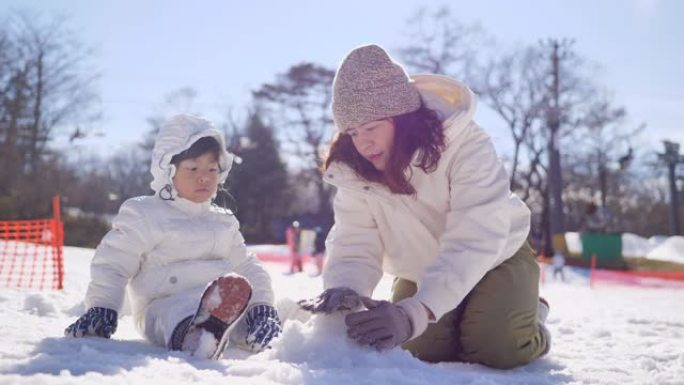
[[672, 249], [573, 241], [634, 246]]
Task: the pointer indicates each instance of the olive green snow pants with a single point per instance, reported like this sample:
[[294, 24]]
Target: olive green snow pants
[[495, 325]]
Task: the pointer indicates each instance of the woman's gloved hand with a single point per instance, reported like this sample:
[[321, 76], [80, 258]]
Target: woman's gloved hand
[[332, 300], [386, 325]]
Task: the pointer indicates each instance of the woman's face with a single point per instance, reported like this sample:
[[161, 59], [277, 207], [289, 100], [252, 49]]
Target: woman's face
[[196, 179], [374, 140]]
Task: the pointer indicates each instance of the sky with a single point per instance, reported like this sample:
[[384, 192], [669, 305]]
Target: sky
[[624, 333], [145, 50]]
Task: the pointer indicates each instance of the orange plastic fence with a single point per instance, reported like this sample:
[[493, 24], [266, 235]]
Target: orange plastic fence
[[31, 252]]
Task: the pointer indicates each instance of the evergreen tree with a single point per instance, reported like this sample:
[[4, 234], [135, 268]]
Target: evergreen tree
[[259, 182]]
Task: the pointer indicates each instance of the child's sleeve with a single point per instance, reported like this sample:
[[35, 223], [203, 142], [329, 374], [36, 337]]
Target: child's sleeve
[[118, 256], [249, 266]]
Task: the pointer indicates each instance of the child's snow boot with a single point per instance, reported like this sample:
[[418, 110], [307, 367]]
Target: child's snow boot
[[223, 302]]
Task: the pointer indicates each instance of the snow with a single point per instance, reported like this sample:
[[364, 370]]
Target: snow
[[606, 335], [657, 247], [573, 241], [671, 249], [634, 246], [206, 344]]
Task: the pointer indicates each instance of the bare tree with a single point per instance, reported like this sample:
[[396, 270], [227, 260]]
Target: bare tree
[[513, 86], [129, 171], [545, 96], [178, 101], [13, 76], [605, 145], [46, 83], [438, 43], [58, 82], [299, 101]]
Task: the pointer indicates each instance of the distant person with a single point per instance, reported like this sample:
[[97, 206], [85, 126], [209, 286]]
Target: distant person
[[182, 259], [422, 195], [293, 238], [558, 263], [319, 250], [596, 219]]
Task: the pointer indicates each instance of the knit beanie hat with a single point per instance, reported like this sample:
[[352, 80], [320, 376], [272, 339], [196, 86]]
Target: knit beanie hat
[[370, 86]]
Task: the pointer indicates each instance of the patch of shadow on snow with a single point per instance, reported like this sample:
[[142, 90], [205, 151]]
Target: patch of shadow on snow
[[655, 322], [79, 356], [82, 355], [39, 305]]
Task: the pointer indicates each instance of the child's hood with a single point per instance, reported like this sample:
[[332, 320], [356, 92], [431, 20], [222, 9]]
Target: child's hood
[[177, 135]]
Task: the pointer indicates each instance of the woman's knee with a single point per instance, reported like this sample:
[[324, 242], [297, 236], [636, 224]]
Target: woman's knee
[[402, 288], [439, 342], [498, 345]]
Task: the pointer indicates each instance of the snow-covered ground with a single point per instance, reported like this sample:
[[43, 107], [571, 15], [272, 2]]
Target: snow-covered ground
[[606, 335]]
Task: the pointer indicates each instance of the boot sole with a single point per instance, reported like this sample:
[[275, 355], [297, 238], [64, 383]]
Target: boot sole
[[222, 303]]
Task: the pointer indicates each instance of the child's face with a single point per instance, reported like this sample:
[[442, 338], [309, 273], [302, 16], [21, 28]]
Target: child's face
[[196, 179]]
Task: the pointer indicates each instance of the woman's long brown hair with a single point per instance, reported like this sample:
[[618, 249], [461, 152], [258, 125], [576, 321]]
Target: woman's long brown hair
[[418, 131]]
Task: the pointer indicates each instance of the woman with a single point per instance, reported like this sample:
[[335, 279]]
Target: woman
[[421, 195]]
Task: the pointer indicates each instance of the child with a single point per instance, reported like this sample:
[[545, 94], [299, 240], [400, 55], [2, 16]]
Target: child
[[558, 262], [319, 249], [181, 259]]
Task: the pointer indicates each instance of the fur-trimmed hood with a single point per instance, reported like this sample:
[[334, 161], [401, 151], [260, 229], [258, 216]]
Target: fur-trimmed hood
[[175, 136]]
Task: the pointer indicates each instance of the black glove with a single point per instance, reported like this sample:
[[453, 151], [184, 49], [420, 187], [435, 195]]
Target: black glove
[[263, 325], [97, 321], [332, 300]]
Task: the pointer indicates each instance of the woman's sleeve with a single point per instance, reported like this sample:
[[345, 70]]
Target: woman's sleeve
[[353, 247], [478, 226], [118, 256]]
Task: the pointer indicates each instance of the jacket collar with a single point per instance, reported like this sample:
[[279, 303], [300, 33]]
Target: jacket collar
[[453, 101], [341, 175], [190, 207]]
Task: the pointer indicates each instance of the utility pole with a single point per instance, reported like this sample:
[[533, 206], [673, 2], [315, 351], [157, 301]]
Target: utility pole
[[603, 178], [671, 157], [554, 189]]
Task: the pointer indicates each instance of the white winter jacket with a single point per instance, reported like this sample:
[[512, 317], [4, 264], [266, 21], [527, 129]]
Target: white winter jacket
[[158, 248], [462, 222]]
